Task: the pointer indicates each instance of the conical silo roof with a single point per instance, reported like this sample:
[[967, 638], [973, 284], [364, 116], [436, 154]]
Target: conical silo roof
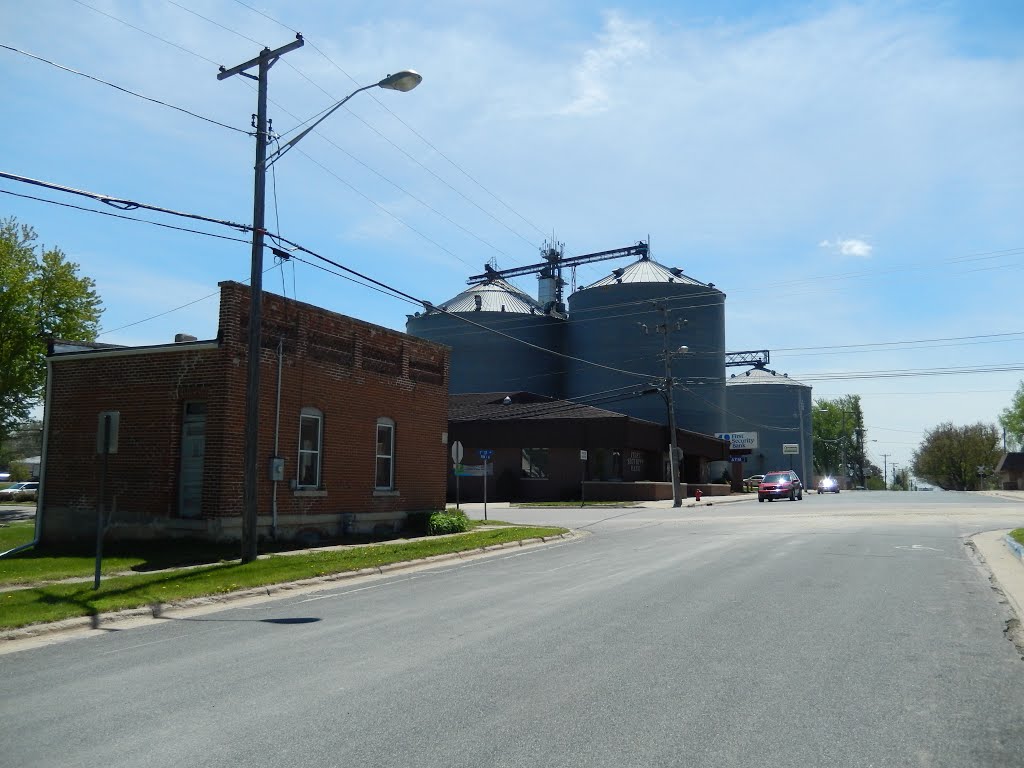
[[647, 270], [758, 375], [494, 296]]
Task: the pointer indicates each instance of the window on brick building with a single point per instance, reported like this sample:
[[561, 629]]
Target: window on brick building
[[311, 424], [535, 463], [385, 454]]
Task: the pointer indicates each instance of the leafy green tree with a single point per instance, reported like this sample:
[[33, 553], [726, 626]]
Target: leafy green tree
[[23, 440], [838, 431], [951, 457], [1012, 419], [42, 296]]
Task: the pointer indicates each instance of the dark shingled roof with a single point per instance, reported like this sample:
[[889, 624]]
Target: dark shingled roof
[[1011, 462], [491, 406]]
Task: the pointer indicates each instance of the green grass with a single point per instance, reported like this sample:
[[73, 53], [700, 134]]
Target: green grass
[[54, 602], [1018, 535]]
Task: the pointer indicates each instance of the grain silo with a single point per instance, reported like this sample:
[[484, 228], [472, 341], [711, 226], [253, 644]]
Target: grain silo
[[776, 411], [615, 322], [485, 361]]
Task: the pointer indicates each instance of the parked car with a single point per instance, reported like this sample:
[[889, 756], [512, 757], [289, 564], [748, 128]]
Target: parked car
[[753, 481], [828, 485], [10, 492], [781, 484], [20, 492], [27, 492]]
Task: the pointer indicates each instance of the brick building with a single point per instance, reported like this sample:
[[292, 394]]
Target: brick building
[[355, 413], [537, 446]]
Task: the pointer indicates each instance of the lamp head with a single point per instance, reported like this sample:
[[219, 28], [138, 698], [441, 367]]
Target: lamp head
[[403, 81]]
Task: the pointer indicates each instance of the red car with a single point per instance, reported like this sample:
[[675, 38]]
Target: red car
[[781, 484]]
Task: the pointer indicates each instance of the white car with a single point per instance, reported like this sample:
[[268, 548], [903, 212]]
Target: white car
[[10, 492]]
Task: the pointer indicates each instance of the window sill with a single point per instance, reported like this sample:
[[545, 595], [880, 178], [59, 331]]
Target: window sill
[[310, 493], [379, 492]]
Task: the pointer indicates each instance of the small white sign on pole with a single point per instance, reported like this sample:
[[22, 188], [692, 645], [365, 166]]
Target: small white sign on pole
[[583, 455], [790, 448]]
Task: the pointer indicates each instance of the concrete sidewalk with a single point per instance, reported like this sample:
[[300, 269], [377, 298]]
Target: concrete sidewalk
[[475, 509], [1006, 567]]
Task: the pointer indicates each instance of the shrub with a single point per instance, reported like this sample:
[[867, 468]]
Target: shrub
[[449, 521]]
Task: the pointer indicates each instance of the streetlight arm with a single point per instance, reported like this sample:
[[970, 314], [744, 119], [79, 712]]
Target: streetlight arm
[[288, 145]]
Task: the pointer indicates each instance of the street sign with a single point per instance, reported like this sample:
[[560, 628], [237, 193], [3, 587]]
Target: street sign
[[457, 452], [790, 448], [467, 470], [583, 455], [739, 440], [486, 454]]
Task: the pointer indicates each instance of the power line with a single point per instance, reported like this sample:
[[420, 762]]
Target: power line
[[420, 136], [125, 90], [123, 203], [126, 218], [150, 34], [372, 128]]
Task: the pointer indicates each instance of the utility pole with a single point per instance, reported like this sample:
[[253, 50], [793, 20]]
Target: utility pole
[[885, 471], [250, 509], [674, 452]]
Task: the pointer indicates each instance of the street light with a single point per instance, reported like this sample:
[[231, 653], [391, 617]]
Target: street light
[[402, 81]]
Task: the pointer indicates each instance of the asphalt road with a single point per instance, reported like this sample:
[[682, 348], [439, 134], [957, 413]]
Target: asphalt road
[[850, 630]]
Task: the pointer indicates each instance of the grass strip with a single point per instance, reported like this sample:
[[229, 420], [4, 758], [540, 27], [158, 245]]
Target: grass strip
[[19, 608], [1018, 535]]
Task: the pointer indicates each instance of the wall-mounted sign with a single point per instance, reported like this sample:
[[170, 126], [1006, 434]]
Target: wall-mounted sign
[[790, 448], [739, 440]]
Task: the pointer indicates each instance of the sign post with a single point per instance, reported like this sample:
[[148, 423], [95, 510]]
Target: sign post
[[457, 454], [791, 450], [583, 478], [485, 455], [106, 444]]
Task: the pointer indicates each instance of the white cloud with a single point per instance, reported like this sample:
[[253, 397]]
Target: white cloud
[[851, 246], [621, 42]]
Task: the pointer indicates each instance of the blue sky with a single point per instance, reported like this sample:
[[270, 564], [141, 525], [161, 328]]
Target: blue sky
[[848, 173]]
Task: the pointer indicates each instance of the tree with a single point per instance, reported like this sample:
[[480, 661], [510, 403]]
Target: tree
[[1012, 419], [41, 297], [838, 436], [23, 440], [956, 458]]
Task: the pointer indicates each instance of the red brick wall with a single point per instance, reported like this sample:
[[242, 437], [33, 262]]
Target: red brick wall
[[353, 372]]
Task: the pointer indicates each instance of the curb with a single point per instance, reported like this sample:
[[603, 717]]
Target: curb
[[155, 610], [1014, 546]]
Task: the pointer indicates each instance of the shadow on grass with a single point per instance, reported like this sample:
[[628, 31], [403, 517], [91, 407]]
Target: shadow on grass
[[82, 600]]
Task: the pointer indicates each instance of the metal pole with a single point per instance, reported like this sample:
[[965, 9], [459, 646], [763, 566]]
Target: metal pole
[[485, 489], [100, 523], [842, 449]]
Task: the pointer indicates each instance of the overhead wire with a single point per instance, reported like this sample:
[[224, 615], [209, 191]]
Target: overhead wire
[[415, 133], [122, 216], [365, 165], [125, 90], [125, 204]]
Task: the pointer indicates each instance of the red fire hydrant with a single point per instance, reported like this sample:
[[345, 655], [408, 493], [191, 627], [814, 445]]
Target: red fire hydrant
[[697, 494]]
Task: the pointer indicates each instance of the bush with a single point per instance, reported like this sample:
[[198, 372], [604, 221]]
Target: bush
[[449, 521]]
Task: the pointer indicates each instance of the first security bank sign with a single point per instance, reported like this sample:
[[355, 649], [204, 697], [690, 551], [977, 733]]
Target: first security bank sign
[[739, 441]]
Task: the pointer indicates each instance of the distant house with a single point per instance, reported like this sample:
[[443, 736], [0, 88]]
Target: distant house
[[31, 465], [353, 422], [544, 449], [1011, 470]]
